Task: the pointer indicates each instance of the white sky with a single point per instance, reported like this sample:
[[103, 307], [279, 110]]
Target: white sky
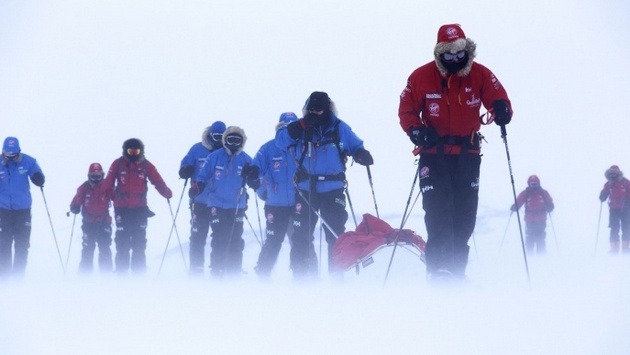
[[77, 78]]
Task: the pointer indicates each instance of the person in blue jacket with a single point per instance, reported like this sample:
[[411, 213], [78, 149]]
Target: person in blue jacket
[[224, 175], [211, 140], [15, 206], [276, 168], [323, 143]]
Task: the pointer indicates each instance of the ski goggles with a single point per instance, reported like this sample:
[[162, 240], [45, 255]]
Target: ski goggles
[[134, 151], [454, 58], [95, 177], [10, 156], [534, 184], [217, 137], [234, 140]]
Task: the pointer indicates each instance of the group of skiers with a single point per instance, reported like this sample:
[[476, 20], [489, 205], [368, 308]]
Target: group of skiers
[[300, 174]]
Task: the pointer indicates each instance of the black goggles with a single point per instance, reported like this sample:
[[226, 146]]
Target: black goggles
[[453, 58], [234, 140], [217, 137]]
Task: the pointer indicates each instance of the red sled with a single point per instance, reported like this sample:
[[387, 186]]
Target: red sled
[[355, 248]]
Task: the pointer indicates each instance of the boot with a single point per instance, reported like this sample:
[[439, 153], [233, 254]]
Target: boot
[[614, 247], [625, 246]]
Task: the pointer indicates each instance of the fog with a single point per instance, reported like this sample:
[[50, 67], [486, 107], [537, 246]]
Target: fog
[[80, 77]]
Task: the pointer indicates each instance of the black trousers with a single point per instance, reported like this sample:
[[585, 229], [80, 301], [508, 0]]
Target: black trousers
[[278, 222], [619, 221], [332, 208], [199, 228], [226, 257], [450, 195], [96, 233], [535, 235], [15, 233], [131, 239]]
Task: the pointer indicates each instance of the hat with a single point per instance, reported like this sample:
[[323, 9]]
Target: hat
[[318, 101], [11, 146], [450, 33], [612, 172], [134, 144], [533, 180], [95, 168], [288, 117], [217, 127]]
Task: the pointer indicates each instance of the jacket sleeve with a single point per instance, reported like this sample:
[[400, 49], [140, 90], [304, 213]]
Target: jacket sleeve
[[493, 90], [77, 200], [520, 200], [350, 140], [157, 181], [548, 201], [603, 195], [410, 106]]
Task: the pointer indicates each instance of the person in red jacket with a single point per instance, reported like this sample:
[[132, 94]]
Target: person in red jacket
[[617, 191], [93, 199], [538, 203], [128, 177], [440, 112]]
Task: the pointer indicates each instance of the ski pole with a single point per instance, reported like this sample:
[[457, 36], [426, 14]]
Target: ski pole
[[174, 218], [354, 218], [63, 267], [402, 223], [505, 232], [520, 228], [553, 229], [71, 234], [230, 237], [262, 236], [369, 172], [599, 219], [253, 230], [168, 241]]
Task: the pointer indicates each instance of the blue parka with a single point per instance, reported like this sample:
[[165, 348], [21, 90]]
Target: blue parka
[[222, 175], [196, 157], [324, 158], [15, 190], [277, 167]]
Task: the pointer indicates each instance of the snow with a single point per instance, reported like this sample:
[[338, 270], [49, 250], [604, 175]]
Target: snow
[[80, 77]]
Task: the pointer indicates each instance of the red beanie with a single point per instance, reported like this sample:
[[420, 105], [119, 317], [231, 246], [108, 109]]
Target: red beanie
[[95, 168], [450, 33]]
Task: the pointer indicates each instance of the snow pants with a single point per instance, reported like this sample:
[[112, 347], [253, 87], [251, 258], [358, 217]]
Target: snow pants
[[619, 221], [199, 228], [96, 233], [131, 239], [450, 194], [278, 221], [535, 236], [332, 208], [15, 233], [226, 257]]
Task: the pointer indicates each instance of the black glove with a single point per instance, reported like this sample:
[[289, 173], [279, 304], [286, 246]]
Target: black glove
[[38, 179], [250, 172], [502, 114], [513, 208], [195, 189], [295, 129], [424, 137], [186, 171], [75, 209], [254, 183], [603, 197], [363, 157], [549, 208]]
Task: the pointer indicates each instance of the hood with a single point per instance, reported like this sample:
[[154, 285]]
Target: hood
[[234, 130]]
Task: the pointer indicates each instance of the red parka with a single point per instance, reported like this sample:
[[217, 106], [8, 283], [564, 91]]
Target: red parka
[[94, 200], [537, 203], [449, 104], [129, 181], [617, 192]]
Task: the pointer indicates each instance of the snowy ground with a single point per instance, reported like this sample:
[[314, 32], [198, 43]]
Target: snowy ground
[[80, 77]]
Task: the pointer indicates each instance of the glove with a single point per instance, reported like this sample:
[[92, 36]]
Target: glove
[[363, 157], [602, 197], [168, 194], [196, 189], [549, 208], [424, 137], [186, 171], [513, 208], [502, 114], [295, 129], [254, 183], [250, 172], [38, 179], [75, 209]]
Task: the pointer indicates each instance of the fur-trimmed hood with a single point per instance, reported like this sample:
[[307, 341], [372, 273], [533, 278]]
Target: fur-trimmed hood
[[613, 170], [231, 131], [331, 105], [204, 138], [451, 39]]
